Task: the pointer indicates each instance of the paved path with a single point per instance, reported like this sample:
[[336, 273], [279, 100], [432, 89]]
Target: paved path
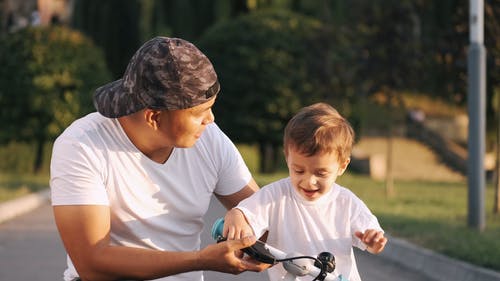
[[30, 249]]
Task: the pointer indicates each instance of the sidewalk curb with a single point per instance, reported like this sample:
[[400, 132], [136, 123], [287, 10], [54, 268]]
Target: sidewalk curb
[[22, 205], [434, 265]]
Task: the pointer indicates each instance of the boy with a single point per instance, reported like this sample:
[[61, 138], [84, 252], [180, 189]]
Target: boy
[[308, 212]]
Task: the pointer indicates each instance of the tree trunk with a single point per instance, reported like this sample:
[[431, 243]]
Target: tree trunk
[[268, 157], [37, 165], [389, 176], [496, 198]]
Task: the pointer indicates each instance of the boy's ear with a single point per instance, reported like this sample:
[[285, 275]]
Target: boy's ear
[[343, 166]]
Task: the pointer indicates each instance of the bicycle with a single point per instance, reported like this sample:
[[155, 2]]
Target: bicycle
[[295, 264]]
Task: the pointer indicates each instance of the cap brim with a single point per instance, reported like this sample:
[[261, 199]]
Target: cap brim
[[113, 100]]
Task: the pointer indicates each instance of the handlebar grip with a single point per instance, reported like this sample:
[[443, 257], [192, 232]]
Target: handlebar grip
[[257, 251], [217, 229]]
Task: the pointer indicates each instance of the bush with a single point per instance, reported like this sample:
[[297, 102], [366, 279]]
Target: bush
[[47, 78], [264, 61], [270, 64], [18, 158]]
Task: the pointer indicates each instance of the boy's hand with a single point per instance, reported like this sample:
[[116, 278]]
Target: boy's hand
[[374, 240], [236, 225]]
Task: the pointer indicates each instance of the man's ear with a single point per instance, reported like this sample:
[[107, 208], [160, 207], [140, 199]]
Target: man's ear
[[343, 166], [152, 118]]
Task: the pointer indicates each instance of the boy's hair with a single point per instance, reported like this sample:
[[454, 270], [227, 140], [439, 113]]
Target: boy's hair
[[319, 128]]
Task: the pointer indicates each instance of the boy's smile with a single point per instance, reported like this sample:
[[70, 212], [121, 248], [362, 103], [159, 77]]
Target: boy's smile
[[313, 176]]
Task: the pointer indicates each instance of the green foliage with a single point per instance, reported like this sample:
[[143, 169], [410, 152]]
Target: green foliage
[[388, 42], [444, 32], [13, 185], [114, 26], [492, 44], [18, 158], [46, 81], [265, 64], [251, 158]]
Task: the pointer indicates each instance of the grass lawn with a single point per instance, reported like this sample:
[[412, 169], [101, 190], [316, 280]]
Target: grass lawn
[[433, 215], [14, 185]]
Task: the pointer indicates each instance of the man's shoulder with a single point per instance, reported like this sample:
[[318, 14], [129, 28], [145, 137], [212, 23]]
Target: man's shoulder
[[86, 128], [85, 124]]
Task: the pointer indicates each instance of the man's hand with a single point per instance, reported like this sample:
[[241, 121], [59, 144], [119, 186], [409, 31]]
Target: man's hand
[[227, 257], [374, 240]]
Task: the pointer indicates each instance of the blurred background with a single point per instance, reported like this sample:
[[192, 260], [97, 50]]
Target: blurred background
[[397, 69]]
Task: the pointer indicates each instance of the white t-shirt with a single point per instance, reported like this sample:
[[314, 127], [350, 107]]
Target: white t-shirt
[[296, 225], [154, 206]]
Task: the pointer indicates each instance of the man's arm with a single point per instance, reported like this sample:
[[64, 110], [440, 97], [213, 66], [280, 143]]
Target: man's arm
[[84, 230], [230, 201]]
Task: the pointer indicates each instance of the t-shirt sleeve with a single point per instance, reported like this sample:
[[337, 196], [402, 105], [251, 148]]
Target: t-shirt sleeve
[[258, 208], [362, 220], [233, 173], [76, 174]]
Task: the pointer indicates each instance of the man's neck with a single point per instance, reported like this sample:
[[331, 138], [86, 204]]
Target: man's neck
[[143, 138]]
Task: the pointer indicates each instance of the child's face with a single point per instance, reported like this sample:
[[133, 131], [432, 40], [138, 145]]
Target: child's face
[[313, 176]]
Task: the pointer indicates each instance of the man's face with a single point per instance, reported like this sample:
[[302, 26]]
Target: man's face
[[184, 127], [313, 176]]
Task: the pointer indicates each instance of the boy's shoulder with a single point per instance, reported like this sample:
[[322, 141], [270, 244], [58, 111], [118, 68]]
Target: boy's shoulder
[[277, 187], [282, 183], [344, 192], [343, 189]]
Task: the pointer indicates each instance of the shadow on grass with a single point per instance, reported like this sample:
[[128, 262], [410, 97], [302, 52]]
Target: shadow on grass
[[449, 238]]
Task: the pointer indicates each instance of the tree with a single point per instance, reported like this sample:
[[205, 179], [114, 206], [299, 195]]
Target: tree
[[388, 62], [114, 26], [492, 42], [46, 81], [267, 64]]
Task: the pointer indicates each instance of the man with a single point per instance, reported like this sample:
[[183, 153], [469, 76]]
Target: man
[[131, 182]]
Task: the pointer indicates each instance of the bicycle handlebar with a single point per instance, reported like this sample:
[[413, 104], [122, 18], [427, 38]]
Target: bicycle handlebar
[[293, 263]]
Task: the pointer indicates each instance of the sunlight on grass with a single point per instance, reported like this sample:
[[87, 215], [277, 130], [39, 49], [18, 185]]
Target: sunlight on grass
[[14, 185], [432, 215]]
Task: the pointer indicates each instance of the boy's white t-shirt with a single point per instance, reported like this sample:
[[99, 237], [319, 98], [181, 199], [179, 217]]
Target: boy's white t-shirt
[[296, 225], [154, 206]]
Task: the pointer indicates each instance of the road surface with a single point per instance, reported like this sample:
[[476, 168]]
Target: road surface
[[30, 249]]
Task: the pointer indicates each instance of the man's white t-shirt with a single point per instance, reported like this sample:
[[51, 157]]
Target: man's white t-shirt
[[154, 206], [296, 225]]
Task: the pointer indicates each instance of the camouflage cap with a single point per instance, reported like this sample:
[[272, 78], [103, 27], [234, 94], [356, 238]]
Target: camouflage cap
[[164, 74]]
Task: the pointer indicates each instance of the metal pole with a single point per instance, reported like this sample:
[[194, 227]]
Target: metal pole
[[477, 117]]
